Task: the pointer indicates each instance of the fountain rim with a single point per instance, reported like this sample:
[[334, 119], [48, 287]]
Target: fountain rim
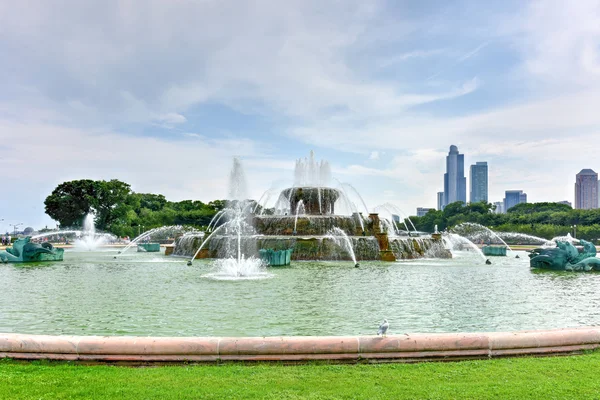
[[415, 347]]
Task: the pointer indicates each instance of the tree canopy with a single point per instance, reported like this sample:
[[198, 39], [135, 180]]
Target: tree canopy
[[121, 211], [545, 220]]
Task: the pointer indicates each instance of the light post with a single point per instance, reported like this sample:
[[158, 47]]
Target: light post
[[15, 226], [574, 231]]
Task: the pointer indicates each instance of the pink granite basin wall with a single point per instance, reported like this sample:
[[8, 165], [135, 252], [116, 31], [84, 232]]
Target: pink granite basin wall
[[398, 348]]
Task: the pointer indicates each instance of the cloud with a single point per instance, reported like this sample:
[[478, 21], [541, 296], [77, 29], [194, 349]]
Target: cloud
[[172, 119], [459, 60], [374, 155], [415, 54]]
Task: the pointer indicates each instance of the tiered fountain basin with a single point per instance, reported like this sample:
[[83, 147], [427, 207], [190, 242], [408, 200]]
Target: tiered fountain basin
[[311, 247], [397, 348], [306, 228]]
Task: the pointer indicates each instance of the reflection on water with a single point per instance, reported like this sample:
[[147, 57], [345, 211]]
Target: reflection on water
[[149, 294]]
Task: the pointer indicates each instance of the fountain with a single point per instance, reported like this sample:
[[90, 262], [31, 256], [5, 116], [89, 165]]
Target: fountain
[[235, 248], [308, 217], [88, 239], [455, 242], [143, 244], [482, 234], [341, 239]]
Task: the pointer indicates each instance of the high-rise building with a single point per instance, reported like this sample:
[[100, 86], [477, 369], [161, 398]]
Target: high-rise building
[[586, 189], [440, 201], [455, 183], [479, 182], [421, 211], [499, 207], [513, 197]]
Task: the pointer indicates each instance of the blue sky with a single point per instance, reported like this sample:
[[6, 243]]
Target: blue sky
[[162, 95]]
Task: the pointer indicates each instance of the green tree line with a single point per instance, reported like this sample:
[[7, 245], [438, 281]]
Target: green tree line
[[121, 211], [545, 220]]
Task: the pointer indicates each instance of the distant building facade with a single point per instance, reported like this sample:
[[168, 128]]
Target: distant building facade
[[512, 198], [586, 189], [499, 207], [565, 202], [455, 183], [440, 201], [421, 211], [479, 182]]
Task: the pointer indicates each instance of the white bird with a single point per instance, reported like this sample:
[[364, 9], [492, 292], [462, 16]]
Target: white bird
[[383, 328]]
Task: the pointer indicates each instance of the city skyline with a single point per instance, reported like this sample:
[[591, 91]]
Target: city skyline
[[99, 90]]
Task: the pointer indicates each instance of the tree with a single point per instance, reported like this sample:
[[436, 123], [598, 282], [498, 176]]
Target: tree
[[71, 201], [110, 202], [530, 208]]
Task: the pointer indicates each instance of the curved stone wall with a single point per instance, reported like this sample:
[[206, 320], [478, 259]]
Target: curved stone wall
[[398, 348]]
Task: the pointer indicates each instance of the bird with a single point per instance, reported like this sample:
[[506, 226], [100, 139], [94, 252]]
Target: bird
[[383, 328]]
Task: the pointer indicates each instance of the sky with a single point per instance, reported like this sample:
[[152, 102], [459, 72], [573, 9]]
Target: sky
[[162, 94]]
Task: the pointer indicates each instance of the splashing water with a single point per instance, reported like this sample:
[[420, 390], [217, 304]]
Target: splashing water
[[89, 239], [340, 238], [455, 242], [299, 208], [310, 173], [478, 233], [235, 230], [233, 269], [171, 230]]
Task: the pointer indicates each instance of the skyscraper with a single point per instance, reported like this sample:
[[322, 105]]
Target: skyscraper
[[455, 183], [586, 189], [499, 207], [422, 211], [513, 197], [479, 182], [440, 200]]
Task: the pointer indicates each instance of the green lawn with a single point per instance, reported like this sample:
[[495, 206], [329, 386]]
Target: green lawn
[[515, 378]]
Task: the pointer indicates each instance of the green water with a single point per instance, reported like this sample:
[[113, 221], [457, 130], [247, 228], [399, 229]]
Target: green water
[[152, 295]]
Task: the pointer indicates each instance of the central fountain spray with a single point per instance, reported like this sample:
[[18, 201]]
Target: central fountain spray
[[88, 239], [237, 251]]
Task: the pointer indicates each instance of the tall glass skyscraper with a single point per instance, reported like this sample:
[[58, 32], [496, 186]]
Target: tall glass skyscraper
[[513, 197], [586, 189], [479, 182], [455, 183]]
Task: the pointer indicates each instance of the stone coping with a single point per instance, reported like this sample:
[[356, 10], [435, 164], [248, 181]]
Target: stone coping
[[393, 348]]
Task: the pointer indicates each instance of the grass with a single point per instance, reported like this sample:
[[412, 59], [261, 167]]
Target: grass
[[514, 378]]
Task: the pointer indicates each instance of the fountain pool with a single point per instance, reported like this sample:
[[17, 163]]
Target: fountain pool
[[149, 294]]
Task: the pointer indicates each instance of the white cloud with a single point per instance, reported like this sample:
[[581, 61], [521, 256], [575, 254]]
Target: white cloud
[[374, 155], [172, 118]]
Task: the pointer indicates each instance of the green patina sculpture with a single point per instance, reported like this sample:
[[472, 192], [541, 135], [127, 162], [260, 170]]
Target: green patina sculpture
[[494, 250], [276, 258], [566, 257], [24, 250], [148, 247]]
